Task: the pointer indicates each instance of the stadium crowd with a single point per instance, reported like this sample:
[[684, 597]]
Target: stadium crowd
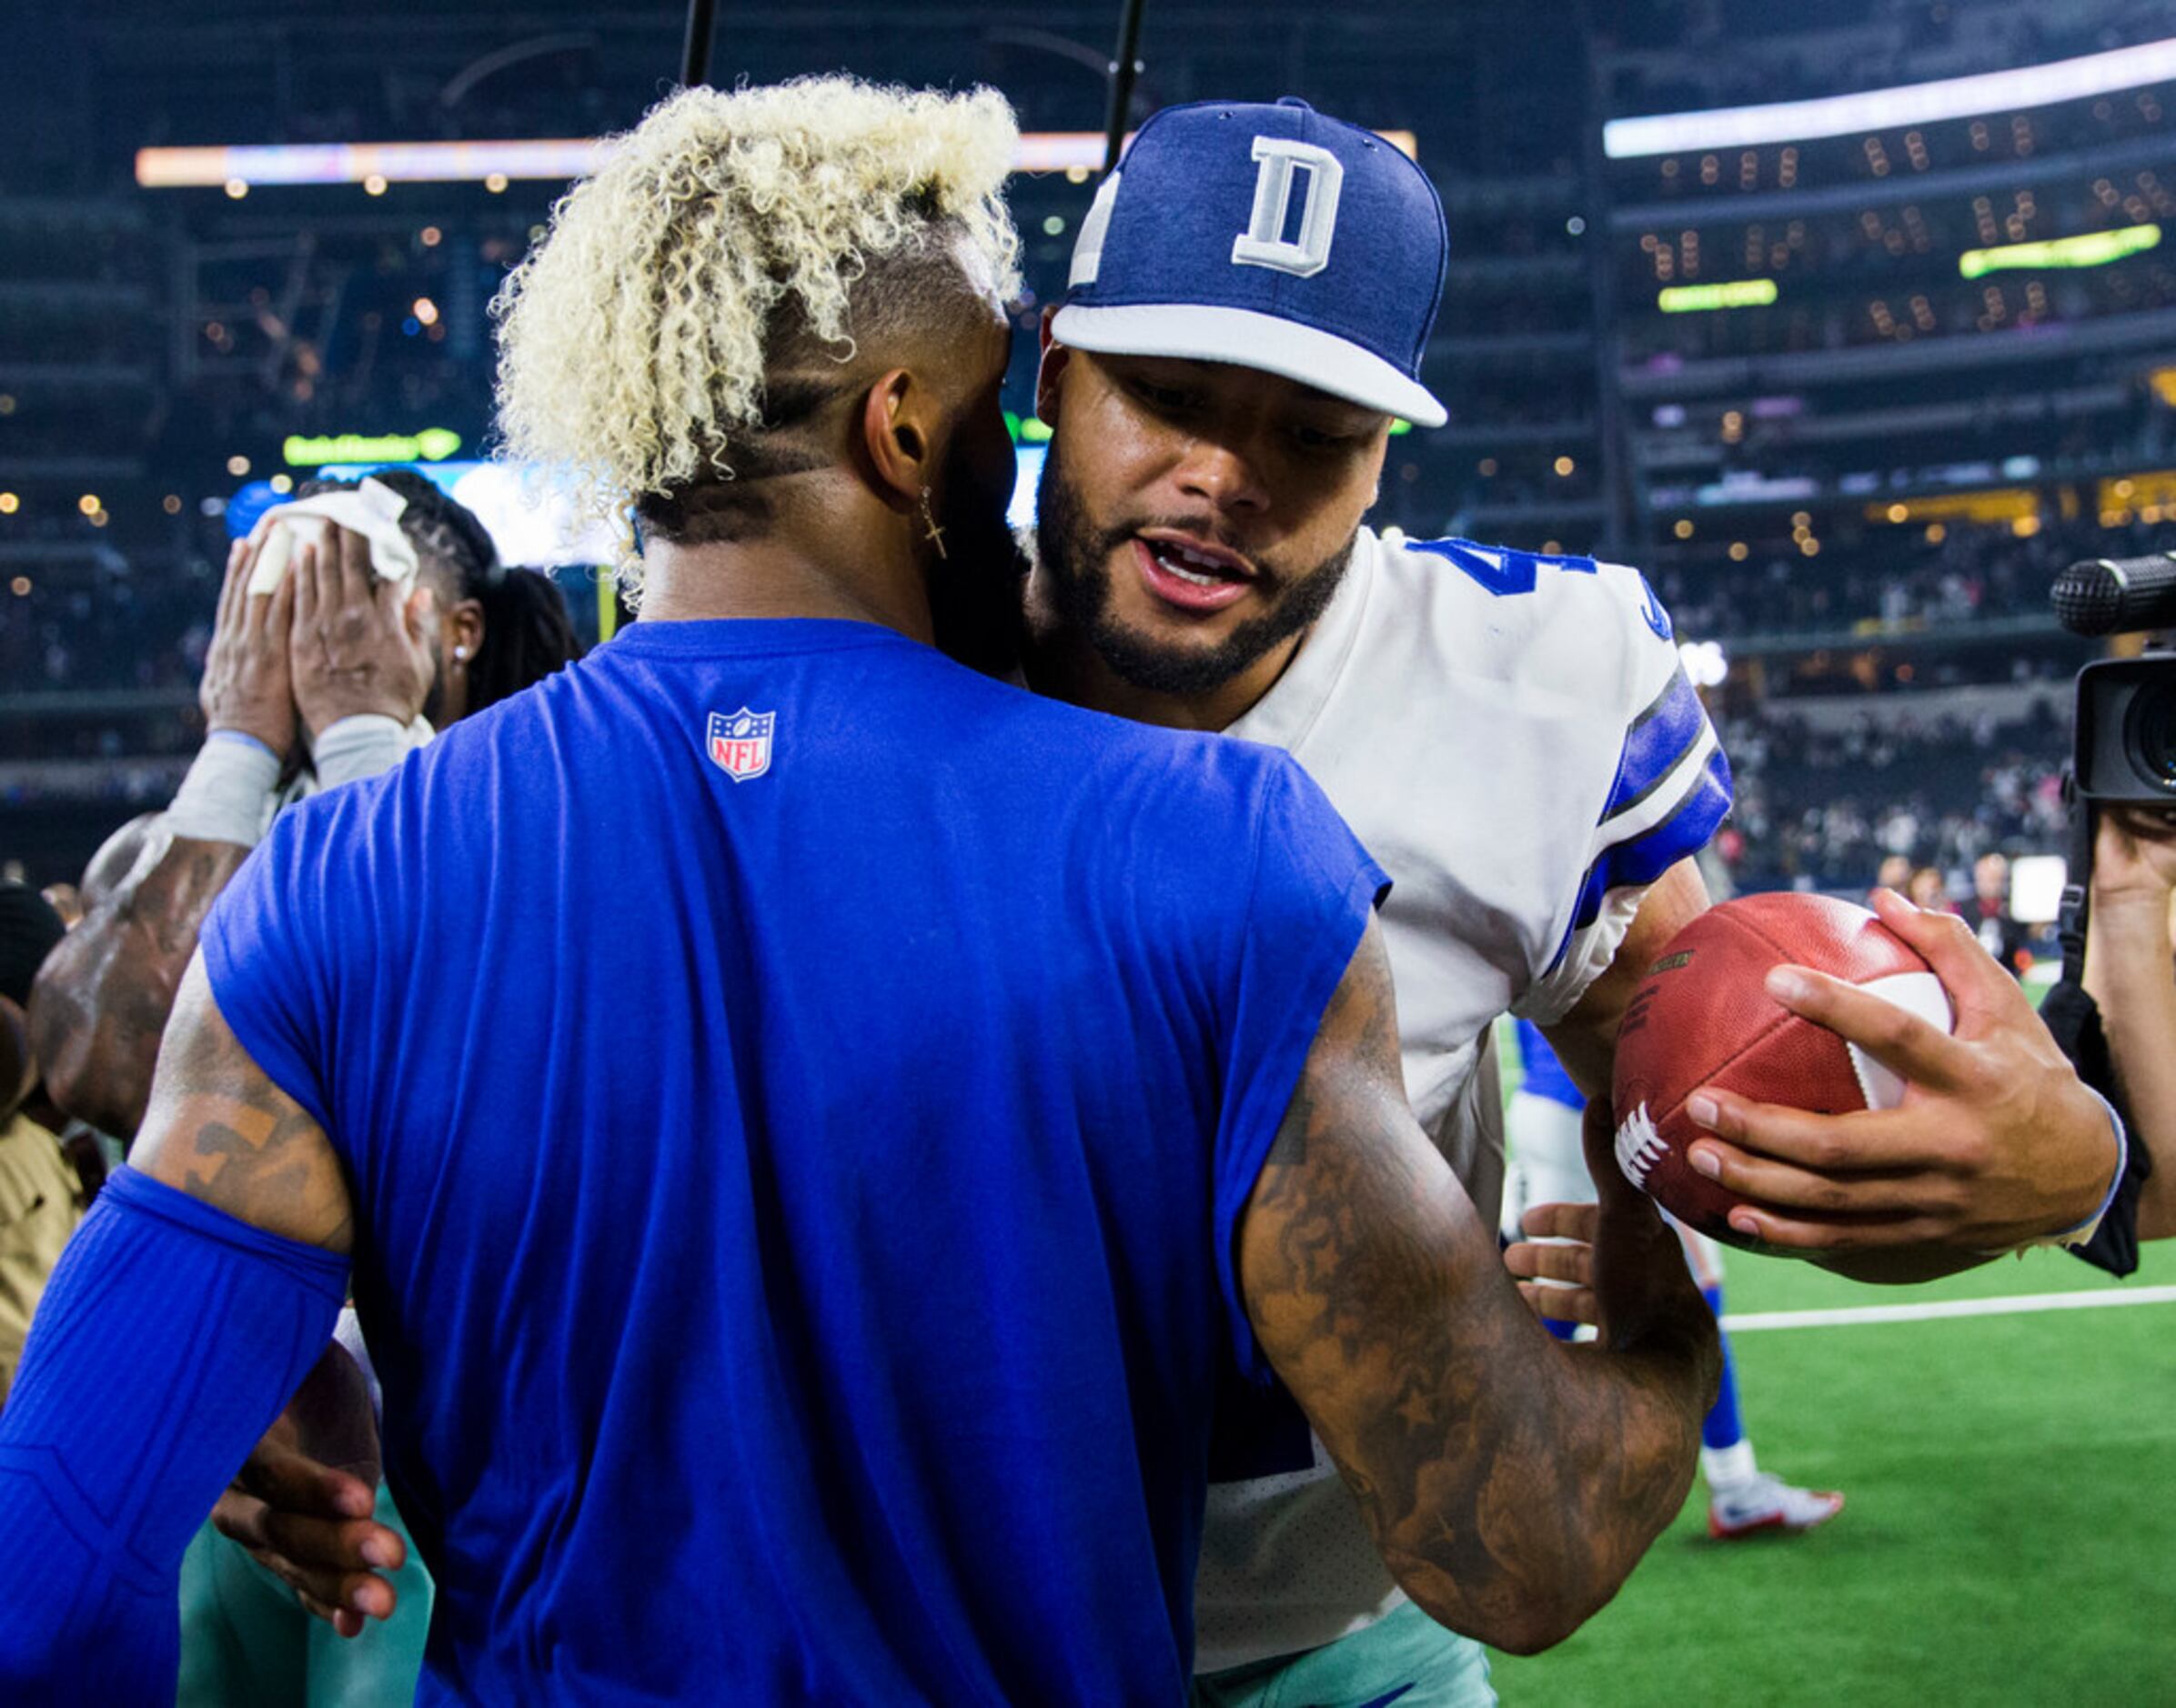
[[1822, 810], [1877, 576]]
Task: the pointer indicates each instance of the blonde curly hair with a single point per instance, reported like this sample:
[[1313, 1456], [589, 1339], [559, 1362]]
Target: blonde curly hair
[[634, 340]]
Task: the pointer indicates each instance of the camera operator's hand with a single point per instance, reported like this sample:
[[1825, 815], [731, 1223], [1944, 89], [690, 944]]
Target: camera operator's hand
[[1996, 1143], [2135, 859], [2129, 976], [360, 644], [246, 685]]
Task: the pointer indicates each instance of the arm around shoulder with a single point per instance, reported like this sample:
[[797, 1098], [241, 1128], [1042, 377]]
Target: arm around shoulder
[[1511, 1482]]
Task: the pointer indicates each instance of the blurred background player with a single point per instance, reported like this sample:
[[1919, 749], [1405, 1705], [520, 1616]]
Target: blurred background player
[[1548, 1165]]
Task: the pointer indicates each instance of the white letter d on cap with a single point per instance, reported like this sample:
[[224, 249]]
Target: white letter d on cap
[[1263, 244]]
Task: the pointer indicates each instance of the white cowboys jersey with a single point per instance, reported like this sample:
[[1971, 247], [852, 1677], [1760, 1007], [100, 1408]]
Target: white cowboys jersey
[[1513, 741]]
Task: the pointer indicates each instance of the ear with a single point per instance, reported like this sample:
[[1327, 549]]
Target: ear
[[898, 434], [1049, 373], [463, 628]]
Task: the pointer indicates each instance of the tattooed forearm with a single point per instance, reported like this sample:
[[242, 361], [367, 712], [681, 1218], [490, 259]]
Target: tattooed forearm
[[1511, 1482], [104, 995], [221, 1131]]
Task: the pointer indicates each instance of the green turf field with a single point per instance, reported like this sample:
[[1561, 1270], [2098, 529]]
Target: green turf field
[[2012, 1531], [2011, 1535]]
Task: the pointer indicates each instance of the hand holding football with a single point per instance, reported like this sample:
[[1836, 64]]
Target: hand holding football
[[1702, 1017]]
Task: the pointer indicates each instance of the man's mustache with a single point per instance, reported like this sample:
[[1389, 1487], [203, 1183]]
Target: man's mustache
[[1207, 528]]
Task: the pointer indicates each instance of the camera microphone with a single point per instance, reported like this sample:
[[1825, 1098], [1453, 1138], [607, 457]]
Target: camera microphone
[[2109, 596]]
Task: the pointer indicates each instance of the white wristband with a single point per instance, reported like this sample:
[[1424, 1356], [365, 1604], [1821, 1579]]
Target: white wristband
[[359, 747], [227, 796]]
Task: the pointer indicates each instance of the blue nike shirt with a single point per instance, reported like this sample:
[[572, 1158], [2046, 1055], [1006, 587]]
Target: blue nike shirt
[[799, 1096]]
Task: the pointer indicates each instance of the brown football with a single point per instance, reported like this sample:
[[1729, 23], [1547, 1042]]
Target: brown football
[[1702, 1017]]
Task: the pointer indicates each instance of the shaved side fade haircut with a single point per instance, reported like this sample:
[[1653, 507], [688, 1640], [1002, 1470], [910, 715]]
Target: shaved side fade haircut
[[737, 271]]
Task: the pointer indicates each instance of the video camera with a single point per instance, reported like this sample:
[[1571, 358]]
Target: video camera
[[2125, 749]]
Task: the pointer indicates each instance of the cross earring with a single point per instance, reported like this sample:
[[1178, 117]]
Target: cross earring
[[936, 534]]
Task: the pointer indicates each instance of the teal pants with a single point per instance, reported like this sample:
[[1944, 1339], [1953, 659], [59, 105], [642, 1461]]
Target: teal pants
[[1406, 1659], [247, 1642]]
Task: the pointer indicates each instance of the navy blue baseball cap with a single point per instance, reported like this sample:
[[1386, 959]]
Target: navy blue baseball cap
[[1272, 237]]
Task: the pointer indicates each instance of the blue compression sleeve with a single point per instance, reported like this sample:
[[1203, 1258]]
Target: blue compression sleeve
[[168, 1341], [1722, 1427]]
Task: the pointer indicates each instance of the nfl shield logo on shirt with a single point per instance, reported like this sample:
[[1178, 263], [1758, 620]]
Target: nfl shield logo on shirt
[[740, 742]]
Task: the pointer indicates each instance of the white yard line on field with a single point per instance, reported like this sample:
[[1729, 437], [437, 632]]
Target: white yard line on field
[[2014, 1306]]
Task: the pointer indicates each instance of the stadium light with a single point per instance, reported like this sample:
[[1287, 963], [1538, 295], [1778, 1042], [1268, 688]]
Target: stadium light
[[2092, 248], [1692, 299], [1890, 109], [494, 164], [1706, 664]]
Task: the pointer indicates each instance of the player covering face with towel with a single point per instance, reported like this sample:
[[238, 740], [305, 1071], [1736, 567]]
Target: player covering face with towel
[[817, 1289]]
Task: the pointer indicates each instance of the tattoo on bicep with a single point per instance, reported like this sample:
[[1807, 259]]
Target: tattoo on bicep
[[225, 1162], [231, 1137], [1460, 1474]]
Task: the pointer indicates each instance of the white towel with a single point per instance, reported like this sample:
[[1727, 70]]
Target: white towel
[[372, 509]]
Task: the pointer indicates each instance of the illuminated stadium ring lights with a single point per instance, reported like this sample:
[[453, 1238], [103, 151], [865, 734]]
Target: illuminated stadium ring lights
[[494, 163], [2092, 248], [1890, 109]]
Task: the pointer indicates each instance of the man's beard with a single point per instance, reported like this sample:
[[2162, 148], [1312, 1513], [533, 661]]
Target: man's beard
[[974, 591], [1077, 558]]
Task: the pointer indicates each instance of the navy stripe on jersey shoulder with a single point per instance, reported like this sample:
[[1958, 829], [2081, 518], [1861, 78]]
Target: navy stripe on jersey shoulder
[[1641, 860], [1657, 741]]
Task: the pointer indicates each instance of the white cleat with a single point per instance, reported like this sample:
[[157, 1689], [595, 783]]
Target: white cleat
[[1766, 1504]]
